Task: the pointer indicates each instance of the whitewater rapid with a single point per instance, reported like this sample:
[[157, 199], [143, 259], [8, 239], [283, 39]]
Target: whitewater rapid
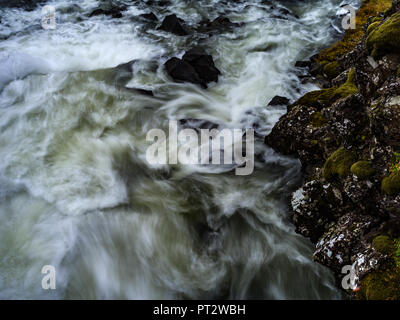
[[76, 191]]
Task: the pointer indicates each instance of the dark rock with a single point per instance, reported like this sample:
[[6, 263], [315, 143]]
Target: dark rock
[[335, 248], [287, 12], [297, 133], [316, 69], [97, 12], [311, 209], [196, 67], [174, 25], [279, 101], [164, 3], [302, 64], [149, 16], [144, 92], [27, 5], [220, 24], [114, 12], [182, 71], [203, 63]]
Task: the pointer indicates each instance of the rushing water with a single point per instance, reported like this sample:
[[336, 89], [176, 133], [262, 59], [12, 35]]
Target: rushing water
[[76, 191]]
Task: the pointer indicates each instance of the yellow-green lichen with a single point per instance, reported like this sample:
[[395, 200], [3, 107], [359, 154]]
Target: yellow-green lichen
[[325, 97], [332, 69], [338, 164], [362, 169], [391, 184], [386, 38], [318, 120]]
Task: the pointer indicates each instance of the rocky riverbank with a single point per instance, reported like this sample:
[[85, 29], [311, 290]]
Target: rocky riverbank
[[347, 137]]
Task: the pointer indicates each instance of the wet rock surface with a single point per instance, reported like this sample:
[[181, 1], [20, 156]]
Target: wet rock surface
[[149, 16], [219, 24], [174, 25], [348, 140], [196, 66], [108, 10], [278, 101]]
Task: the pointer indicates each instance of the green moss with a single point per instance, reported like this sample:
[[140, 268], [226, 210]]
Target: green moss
[[373, 26], [386, 38], [398, 72], [325, 97], [318, 120], [362, 169], [383, 284], [397, 253], [347, 88], [376, 19], [352, 37], [338, 164], [317, 99], [384, 245], [332, 69], [391, 184]]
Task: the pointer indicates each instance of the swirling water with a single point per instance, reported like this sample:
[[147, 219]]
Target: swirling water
[[76, 191]]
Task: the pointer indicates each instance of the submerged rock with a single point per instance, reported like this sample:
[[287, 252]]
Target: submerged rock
[[220, 24], [114, 12], [149, 16]]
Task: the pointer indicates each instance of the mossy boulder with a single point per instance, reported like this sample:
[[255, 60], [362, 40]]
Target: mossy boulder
[[338, 164], [362, 169], [332, 69], [385, 38], [391, 184], [325, 97], [352, 37], [318, 120], [384, 245], [383, 284]]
